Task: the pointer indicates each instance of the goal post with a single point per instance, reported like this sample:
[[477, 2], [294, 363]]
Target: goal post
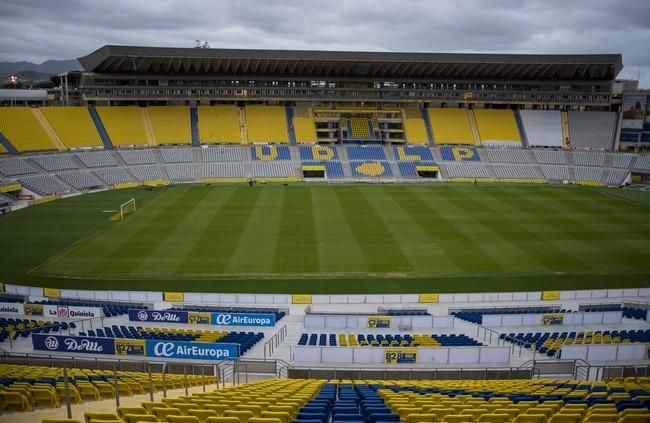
[[125, 208]]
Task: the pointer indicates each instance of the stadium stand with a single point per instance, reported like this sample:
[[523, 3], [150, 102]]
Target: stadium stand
[[15, 167], [318, 153], [450, 126], [171, 124], [414, 127], [219, 124], [45, 184], [81, 179], [223, 154], [176, 155], [616, 177], [363, 152], [592, 174], [460, 154], [550, 156], [112, 176], [180, 172], [476, 315], [460, 170], [555, 173], [507, 156], [266, 124], [333, 168], [304, 126], [362, 169], [409, 169], [54, 162], [386, 340], [588, 158], [270, 152], [413, 153], [146, 172], [139, 156], [97, 159], [622, 160], [515, 172], [13, 328], [642, 163], [543, 127], [497, 127], [592, 129], [549, 343], [73, 125], [224, 170], [124, 125], [273, 169], [20, 126]]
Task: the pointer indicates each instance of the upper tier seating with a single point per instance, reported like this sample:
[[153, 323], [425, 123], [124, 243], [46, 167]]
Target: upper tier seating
[[303, 125], [114, 175], [550, 156], [592, 129], [219, 124], [20, 126], [73, 125], [176, 155], [123, 124], [81, 179], [414, 127], [363, 152], [171, 124], [266, 124], [497, 127], [450, 126], [507, 156], [180, 172], [383, 340], [45, 184], [97, 158], [359, 128], [543, 127], [224, 170], [223, 154], [549, 343], [141, 156], [15, 167], [54, 162]]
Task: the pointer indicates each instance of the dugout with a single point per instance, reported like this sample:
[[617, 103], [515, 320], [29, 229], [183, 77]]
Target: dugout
[[427, 171], [641, 177], [313, 171]]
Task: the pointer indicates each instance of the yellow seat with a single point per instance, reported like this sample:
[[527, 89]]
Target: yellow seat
[[474, 412], [15, 401], [263, 420], [282, 408], [282, 415], [107, 421], [202, 414], [255, 409], [599, 418], [458, 418], [150, 405], [421, 418], [634, 418], [123, 411], [494, 418], [404, 412], [530, 418], [566, 418], [60, 421], [221, 419], [89, 416], [186, 407], [163, 412], [243, 416], [219, 408], [137, 418], [45, 398], [510, 412], [183, 419]]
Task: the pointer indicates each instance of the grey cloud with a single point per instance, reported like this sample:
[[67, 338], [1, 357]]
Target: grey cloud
[[37, 30]]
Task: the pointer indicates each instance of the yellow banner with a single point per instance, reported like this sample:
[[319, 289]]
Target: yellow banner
[[52, 292], [400, 356], [549, 319], [174, 296], [301, 299], [428, 298], [155, 183], [379, 321], [126, 185], [313, 167], [550, 295], [43, 200], [129, 346], [11, 187], [198, 318], [34, 309]]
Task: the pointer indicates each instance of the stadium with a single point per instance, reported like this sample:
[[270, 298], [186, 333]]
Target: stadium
[[380, 237]]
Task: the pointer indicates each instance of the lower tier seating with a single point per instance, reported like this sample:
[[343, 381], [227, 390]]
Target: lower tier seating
[[381, 340]]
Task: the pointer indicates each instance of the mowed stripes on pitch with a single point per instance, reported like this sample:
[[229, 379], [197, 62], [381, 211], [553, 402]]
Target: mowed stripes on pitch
[[202, 231]]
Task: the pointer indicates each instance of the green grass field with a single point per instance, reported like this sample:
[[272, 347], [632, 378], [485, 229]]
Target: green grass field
[[334, 239]]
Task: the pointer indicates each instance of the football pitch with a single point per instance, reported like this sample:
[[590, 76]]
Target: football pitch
[[311, 238]]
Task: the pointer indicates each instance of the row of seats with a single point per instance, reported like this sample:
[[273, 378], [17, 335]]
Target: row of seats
[[476, 316], [380, 340], [24, 387], [14, 328], [549, 343]]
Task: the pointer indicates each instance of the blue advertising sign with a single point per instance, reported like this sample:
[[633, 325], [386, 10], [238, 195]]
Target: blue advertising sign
[[191, 350], [168, 316], [73, 344], [243, 319]]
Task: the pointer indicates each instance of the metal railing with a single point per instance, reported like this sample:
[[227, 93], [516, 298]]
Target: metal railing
[[275, 341]]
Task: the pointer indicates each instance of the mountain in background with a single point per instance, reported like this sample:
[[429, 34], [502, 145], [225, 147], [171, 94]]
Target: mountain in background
[[29, 71]]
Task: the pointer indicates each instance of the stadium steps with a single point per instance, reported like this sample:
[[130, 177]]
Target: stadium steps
[[157, 155], [572, 173], [531, 157], [609, 160], [522, 130], [474, 126], [290, 129], [603, 179], [569, 158], [197, 159], [443, 172], [194, 126], [243, 128], [392, 160], [103, 134], [490, 170], [436, 154], [427, 125], [48, 129], [565, 130], [148, 127], [7, 145]]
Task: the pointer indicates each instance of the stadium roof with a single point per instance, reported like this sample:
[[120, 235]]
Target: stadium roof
[[344, 64]]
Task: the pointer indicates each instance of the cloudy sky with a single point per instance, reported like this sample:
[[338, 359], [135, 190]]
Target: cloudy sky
[[37, 30]]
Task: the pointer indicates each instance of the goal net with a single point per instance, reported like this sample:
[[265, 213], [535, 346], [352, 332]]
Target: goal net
[[126, 208]]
